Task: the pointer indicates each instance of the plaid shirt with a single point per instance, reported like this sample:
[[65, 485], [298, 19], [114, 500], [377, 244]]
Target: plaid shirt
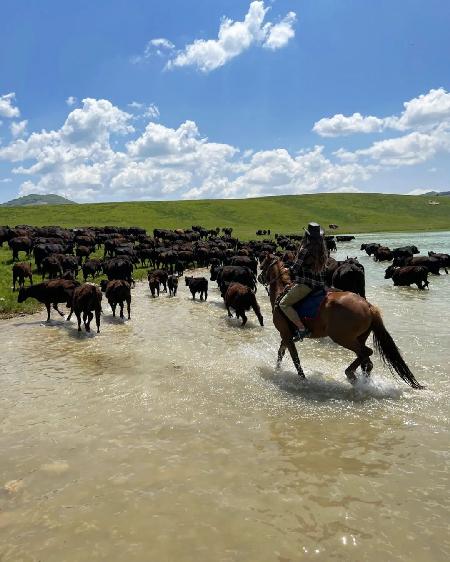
[[304, 275]]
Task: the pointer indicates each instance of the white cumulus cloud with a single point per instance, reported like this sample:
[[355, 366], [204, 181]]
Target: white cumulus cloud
[[279, 34], [424, 112], [7, 108], [82, 161], [234, 38], [341, 125], [159, 47], [18, 128]]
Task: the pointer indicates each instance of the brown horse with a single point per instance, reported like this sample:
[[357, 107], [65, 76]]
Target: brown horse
[[345, 317]]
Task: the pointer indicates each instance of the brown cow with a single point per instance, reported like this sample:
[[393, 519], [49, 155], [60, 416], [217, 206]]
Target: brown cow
[[161, 275], [153, 283], [242, 298], [20, 272], [117, 292], [87, 299]]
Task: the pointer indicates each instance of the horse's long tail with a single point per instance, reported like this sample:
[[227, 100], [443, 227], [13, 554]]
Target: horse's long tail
[[388, 350]]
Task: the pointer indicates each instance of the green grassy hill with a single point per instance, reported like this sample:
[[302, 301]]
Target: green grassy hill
[[352, 212]]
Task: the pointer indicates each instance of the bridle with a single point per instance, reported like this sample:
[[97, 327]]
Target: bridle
[[268, 283]]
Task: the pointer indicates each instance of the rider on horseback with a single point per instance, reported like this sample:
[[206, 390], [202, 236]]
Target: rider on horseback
[[309, 272]]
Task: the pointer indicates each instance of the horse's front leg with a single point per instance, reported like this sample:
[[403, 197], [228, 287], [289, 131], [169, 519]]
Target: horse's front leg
[[281, 352], [295, 359]]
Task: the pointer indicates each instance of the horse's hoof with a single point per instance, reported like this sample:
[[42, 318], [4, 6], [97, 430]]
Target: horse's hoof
[[301, 374]]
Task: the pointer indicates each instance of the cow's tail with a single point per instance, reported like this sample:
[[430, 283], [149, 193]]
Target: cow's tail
[[389, 351]]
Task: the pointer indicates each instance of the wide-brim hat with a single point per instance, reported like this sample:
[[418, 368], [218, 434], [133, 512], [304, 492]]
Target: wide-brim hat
[[314, 230]]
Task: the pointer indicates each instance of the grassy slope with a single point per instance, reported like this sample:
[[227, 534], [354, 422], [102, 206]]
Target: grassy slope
[[352, 212]]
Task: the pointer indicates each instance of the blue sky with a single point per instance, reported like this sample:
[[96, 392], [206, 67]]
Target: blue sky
[[295, 96]]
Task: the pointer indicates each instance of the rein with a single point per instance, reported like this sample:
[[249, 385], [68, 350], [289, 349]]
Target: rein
[[267, 284]]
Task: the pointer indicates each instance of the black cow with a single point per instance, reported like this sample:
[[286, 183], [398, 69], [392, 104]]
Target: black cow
[[233, 273], [245, 261], [172, 283], [197, 285], [91, 267], [405, 251], [444, 260], [432, 264], [344, 238], [370, 248], [50, 293], [405, 276], [119, 268], [349, 276], [19, 244], [383, 253], [51, 266]]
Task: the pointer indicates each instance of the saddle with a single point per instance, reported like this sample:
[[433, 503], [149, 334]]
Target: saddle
[[309, 306]]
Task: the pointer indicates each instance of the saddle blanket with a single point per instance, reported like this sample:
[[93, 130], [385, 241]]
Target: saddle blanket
[[309, 306]]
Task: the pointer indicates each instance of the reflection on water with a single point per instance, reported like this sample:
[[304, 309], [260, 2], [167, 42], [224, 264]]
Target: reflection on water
[[173, 437]]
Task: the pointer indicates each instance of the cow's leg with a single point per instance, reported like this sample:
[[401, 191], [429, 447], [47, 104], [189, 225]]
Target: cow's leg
[[47, 306], [201, 295], [244, 318], [78, 315], [206, 295], [229, 312], [55, 306], [193, 294], [121, 309], [113, 307], [128, 308], [89, 317], [97, 318]]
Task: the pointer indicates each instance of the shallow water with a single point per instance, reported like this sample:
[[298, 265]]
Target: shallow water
[[172, 437]]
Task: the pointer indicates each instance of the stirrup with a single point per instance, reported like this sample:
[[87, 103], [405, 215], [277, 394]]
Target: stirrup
[[300, 335]]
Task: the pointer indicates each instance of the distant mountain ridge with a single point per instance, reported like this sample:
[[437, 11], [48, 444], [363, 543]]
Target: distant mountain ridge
[[437, 193], [34, 199]]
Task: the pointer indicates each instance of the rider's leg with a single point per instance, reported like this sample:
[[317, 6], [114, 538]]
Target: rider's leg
[[295, 294]]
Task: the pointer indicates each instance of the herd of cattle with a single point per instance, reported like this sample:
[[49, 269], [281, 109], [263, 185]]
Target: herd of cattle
[[61, 254]]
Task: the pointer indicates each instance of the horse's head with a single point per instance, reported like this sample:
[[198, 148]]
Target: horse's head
[[265, 266], [272, 269]]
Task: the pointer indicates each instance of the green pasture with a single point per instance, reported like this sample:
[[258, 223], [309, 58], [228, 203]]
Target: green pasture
[[288, 214]]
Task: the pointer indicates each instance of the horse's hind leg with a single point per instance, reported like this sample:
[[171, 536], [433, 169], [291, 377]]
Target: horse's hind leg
[[366, 363], [350, 370], [363, 354]]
